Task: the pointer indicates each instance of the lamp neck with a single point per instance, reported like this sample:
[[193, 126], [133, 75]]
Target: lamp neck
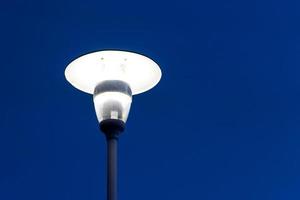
[[112, 128]]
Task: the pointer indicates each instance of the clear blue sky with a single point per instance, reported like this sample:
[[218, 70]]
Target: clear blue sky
[[223, 123]]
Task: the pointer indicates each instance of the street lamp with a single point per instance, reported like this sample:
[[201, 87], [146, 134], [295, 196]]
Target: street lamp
[[112, 77]]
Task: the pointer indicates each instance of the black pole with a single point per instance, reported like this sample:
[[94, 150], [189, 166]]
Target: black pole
[[112, 168], [112, 129]]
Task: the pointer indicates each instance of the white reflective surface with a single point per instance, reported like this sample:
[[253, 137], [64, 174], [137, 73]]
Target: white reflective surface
[[138, 71]]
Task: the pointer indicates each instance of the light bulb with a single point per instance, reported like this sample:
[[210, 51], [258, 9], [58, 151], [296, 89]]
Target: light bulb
[[112, 100]]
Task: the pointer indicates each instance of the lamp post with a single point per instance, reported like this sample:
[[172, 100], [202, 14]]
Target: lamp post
[[112, 77]]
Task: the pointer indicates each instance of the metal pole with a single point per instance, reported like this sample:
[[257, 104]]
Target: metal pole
[[112, 128], [112, 168]]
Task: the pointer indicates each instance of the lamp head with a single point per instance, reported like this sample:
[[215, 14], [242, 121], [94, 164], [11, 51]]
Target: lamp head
[[113, 77]]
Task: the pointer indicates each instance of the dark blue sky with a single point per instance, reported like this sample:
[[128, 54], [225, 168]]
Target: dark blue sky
[[223, 123]]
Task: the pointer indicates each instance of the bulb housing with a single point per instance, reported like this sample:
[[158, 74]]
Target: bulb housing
[[112, 100]]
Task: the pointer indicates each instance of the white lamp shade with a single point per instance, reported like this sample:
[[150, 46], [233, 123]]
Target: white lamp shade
[[138, 71]]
